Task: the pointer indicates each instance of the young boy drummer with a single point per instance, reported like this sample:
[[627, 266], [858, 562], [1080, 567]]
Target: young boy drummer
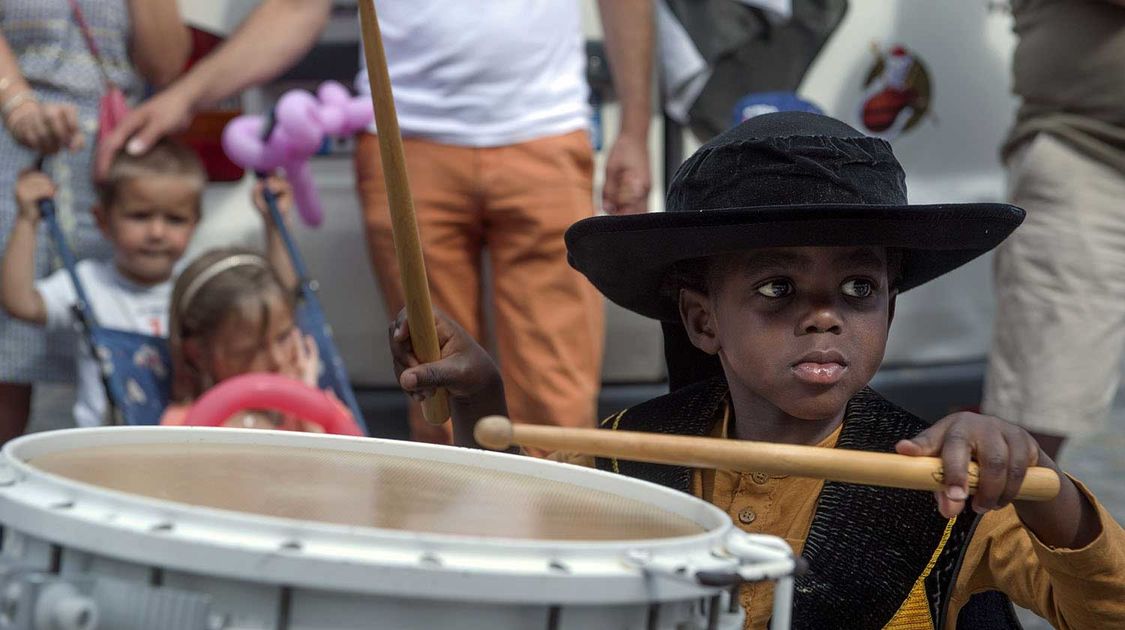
[[784, 245]]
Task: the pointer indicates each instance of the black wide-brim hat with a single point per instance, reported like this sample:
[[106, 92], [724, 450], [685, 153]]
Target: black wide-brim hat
[[789, 179]]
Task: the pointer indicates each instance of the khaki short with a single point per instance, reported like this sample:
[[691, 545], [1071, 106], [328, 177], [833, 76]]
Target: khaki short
[[1060, 287]]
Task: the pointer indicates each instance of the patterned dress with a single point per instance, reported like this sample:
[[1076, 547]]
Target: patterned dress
[[57, 64]]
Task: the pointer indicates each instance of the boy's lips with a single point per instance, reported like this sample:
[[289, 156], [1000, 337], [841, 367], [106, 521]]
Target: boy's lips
[[820, 368]]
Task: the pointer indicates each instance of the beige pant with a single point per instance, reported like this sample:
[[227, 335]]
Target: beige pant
[[1060, 287]]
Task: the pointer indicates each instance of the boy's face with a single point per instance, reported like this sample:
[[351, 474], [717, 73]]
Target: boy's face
[[150, 225], [802, 329]]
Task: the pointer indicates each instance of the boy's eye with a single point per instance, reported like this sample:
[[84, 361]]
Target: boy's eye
[[776, 288], [858, 288]]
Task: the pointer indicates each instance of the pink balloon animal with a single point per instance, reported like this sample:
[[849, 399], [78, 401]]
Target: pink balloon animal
[[273, 392], [301, 123]]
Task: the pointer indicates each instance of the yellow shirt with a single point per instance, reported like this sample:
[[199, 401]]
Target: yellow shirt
[[1071, 588]]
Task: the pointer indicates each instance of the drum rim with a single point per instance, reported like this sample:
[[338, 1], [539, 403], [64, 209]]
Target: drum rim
[[324, 544], [286, 438]]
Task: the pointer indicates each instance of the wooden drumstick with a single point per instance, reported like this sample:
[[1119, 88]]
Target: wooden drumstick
[[404, 225], [862, 467]]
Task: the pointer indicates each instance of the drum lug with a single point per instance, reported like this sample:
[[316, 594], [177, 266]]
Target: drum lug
[[33, 599], [758, 557], [36, 600]]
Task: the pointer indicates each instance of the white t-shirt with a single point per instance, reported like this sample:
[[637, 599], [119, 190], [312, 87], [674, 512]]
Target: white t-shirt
[[484, 74], [116, 303]]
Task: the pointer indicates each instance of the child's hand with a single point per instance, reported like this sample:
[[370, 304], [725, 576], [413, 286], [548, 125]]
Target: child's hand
[[31, 187], [463, 370], [282, 191], [308, 360], [1003, 451]]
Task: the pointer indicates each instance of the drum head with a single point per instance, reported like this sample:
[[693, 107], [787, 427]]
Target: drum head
[[369, 484]]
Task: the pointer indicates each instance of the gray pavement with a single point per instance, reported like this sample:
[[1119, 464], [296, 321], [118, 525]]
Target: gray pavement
[[1098, 460]]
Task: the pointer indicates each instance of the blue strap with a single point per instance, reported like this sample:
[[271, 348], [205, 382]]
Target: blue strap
[[50, 217], [314, 318], [315, 324]]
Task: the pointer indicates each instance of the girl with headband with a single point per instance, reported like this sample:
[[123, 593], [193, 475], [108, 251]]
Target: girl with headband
[[231, 314]]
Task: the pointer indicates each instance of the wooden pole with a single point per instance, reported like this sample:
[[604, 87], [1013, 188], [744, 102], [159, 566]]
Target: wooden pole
[[404, 225], [862, 467]]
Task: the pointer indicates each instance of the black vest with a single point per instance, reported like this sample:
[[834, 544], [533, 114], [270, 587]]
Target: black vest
[[866, 546]]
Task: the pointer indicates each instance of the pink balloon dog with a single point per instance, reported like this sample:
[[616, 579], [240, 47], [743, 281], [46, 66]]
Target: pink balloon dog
[[301, 123]]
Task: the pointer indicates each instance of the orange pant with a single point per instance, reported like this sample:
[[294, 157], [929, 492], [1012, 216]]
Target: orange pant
[[515, 202]]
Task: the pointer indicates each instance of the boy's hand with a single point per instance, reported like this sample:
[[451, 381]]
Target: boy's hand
[[281, 190], [464, 369], [1002, 450], [31, 187]]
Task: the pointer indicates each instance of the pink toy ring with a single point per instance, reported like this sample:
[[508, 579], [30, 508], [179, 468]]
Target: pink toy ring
[[273, 392]]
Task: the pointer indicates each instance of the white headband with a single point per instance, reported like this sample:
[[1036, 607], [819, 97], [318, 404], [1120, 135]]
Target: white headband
[[220, 266]]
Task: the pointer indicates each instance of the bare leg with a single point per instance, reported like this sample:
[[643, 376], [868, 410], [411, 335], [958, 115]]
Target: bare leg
[[15, 409]]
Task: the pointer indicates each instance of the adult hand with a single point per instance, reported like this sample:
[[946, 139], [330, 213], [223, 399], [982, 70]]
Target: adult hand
[[167, 112], [45, 128], [627, 177]]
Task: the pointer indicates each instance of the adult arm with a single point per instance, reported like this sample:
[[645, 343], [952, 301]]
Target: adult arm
[[161, 42], [628, 27], [271, 39]]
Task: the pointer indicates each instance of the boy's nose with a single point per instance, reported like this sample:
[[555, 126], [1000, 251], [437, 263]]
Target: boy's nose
[[156, 229], [821, 319]]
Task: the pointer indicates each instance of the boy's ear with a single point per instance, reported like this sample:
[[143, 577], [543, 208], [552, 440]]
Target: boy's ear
[[891, 308], [699, 320]]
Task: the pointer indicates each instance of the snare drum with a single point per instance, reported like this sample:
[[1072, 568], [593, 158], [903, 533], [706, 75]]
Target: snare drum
[[145, 528]]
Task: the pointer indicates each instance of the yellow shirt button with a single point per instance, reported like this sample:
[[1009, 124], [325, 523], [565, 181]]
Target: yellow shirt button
[[747, 516], [760, 478]]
